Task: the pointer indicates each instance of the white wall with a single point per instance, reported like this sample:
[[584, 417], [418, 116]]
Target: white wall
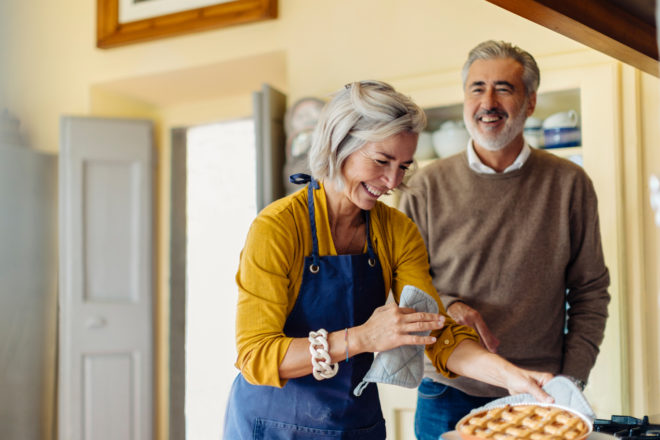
[[28, 292]]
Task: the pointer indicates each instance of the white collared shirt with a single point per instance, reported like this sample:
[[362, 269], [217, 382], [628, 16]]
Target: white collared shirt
[[477, 165]]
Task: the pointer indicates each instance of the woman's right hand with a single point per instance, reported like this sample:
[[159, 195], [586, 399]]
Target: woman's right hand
[[391, 326], [471, 359]]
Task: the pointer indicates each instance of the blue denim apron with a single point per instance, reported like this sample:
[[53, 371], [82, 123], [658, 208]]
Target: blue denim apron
[[336, 292]]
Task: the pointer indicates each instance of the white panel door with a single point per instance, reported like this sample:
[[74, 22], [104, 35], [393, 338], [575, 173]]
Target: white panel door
[[106, 325]]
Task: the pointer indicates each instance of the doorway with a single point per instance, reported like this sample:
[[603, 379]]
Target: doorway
[[214, 203]]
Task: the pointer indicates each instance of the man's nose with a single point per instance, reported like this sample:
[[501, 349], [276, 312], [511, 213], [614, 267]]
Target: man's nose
[[489, 100]]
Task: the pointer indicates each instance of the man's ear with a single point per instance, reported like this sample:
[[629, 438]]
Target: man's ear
[[531, 105]]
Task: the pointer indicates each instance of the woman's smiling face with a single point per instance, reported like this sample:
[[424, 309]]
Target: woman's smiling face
[[377, 168]]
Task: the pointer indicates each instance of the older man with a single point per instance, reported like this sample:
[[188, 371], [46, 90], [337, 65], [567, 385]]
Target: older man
[[513, 239]]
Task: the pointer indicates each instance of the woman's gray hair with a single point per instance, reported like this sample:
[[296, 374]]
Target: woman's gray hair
[[361, 112], [501, 49]]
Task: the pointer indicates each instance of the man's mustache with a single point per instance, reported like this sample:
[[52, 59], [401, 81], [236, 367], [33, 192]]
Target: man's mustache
[[492, 112]]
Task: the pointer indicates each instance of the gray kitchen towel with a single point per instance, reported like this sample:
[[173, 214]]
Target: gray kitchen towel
[[562, 389], [403, 366]]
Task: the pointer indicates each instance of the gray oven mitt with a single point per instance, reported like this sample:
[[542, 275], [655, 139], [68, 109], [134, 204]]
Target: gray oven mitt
[[562, 389], [403, 366]]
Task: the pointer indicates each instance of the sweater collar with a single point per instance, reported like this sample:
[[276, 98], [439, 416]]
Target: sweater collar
[[478, 166]]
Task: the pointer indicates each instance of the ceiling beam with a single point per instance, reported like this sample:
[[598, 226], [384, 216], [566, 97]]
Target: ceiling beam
[[595, 23]]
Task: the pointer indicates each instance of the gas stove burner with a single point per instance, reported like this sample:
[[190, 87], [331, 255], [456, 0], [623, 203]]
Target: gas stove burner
[[628, 428]]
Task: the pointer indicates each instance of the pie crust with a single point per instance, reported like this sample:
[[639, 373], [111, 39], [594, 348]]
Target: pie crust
[[524, 421]]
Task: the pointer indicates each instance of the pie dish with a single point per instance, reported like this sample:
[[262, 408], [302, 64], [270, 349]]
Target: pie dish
[[524, 421]]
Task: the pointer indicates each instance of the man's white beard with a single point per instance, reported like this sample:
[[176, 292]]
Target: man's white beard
[[497, 142]]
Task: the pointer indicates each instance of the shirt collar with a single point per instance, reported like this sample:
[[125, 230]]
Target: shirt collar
[[477, 165]]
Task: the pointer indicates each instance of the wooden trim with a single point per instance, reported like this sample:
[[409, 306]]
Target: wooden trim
[[632, 201], [597, 24], [111, 33]]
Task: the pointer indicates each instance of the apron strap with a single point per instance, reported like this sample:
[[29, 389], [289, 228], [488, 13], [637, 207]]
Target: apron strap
[[370, 249], [314, 268], [300, 179]]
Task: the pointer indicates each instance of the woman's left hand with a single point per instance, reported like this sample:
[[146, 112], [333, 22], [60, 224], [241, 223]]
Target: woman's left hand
[[391, 326]]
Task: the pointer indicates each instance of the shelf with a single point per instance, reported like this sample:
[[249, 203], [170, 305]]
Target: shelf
[[564, 152], [574, 154], [437, 115], [547, 103]]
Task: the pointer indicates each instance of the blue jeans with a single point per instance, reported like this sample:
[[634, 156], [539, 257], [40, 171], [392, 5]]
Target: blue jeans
[[440, 407]]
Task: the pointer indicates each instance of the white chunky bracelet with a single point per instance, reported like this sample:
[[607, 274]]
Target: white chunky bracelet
[[318, 347]]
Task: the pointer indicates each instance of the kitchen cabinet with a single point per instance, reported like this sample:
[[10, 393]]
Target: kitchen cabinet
[[624, 29], [548, 103], [591, 84]]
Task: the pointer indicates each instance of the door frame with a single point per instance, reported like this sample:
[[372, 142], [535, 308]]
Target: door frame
[[178, 269]]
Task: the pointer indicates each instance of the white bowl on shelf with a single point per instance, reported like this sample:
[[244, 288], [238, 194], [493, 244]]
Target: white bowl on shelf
[[533, 132], [450, 138], [562, 120], [561, 130], [562, 137], [425, 150]]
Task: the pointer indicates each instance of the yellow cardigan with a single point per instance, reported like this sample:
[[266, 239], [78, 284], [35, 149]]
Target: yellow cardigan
[[271, 269]]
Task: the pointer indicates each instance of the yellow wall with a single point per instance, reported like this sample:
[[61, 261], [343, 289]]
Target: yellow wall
[[640, 157], [650, 90], [50, 67], [50, 63]]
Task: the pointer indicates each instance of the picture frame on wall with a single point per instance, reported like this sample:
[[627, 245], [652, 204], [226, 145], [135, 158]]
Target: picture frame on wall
[[121, 22]]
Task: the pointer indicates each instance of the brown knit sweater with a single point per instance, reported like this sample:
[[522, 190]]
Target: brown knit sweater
[[517, 247]]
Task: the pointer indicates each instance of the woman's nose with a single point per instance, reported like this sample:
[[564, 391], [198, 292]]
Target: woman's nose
[[392, 177]]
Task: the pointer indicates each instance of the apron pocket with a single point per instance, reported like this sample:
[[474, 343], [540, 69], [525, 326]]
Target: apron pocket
[[273, 430]]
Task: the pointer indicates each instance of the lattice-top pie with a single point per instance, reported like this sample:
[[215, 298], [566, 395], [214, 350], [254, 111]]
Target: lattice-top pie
[[527, 421]]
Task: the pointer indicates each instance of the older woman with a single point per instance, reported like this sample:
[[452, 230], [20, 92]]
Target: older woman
[[325, 258]]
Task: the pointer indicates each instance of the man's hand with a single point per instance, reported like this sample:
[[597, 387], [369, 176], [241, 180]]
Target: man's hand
[[466, 315]]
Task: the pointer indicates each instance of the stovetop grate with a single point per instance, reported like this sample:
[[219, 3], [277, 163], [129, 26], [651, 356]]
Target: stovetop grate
[[628, 428]]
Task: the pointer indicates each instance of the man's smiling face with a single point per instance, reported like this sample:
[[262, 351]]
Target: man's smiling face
[[496, 104]]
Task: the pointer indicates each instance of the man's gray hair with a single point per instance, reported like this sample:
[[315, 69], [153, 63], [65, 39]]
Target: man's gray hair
[[501, 49], [361, 112]]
